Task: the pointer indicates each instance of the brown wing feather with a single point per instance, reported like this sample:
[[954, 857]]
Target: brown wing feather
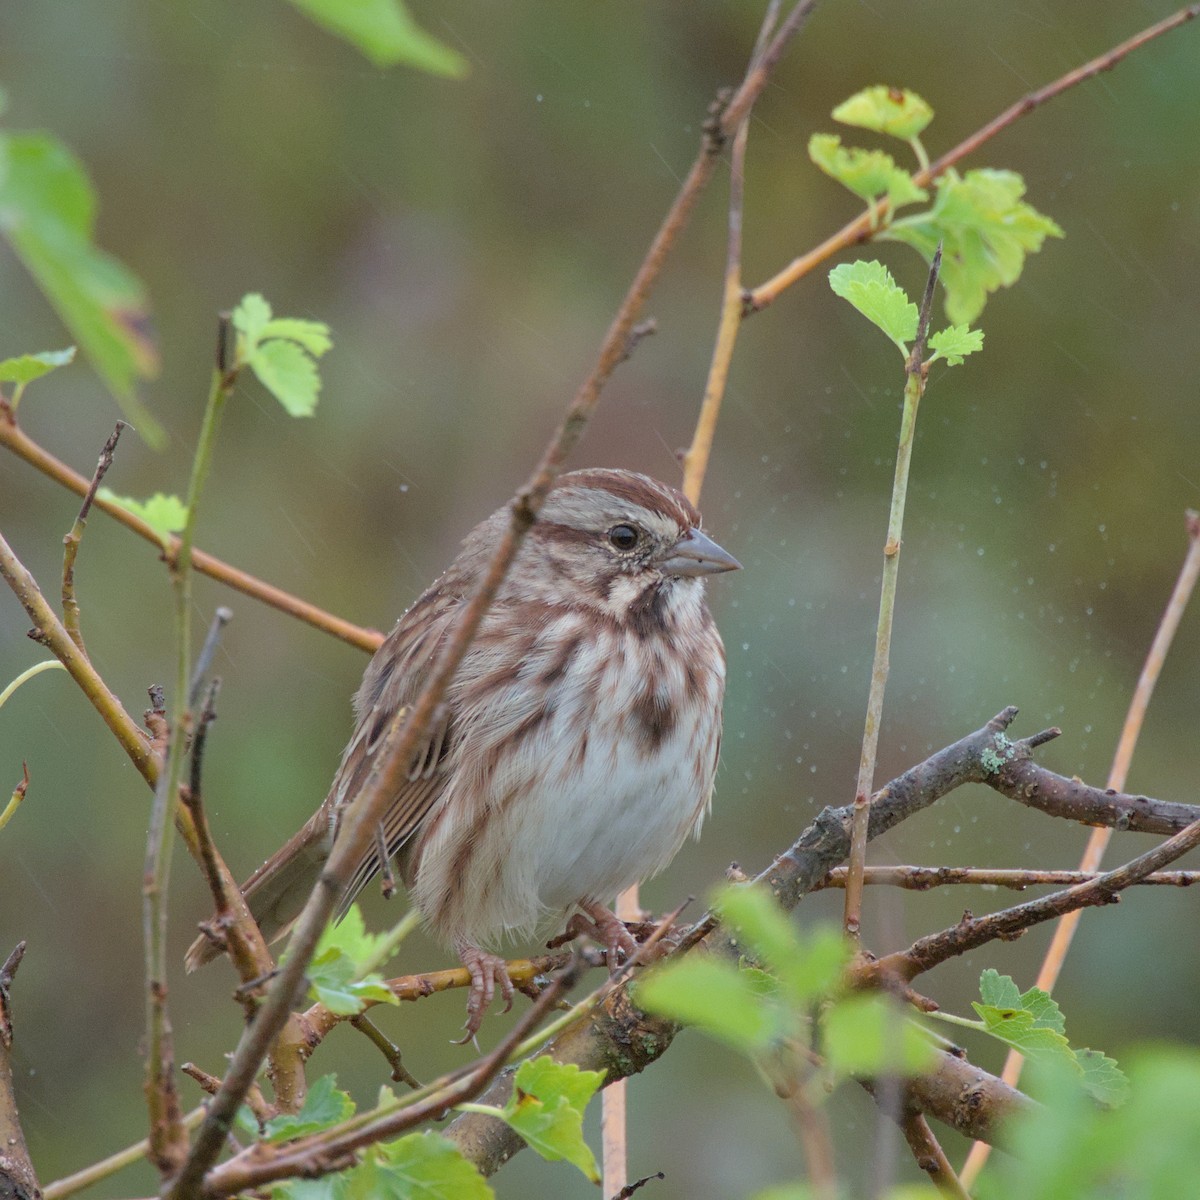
[[392, 682]]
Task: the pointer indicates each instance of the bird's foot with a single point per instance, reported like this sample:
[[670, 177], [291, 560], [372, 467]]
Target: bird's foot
[[487, 972], [604, 928]]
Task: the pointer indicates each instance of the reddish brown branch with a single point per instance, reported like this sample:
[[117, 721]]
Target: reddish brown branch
[[16, 440]]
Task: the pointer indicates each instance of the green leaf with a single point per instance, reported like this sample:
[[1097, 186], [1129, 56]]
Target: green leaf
[[986, 230], [546, 1109], [164, 514], [867, 173], [328, 1187], [324, 1105], [48, 214], [385, 33], [954, 343], [335, 974], [1001, 991], [29, 367], [426, 1166], [1103, 1080], [548, 1080], [421, 1166], [332, 982], [808, 968], [895, 111], [869, 286], [312, 335], [1032, 1023], [281, 352], [871, 1035], [350, 936], [289, 374], [250, 319], [716, 997]]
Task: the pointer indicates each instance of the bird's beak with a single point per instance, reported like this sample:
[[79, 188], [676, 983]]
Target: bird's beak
[[697, 554]]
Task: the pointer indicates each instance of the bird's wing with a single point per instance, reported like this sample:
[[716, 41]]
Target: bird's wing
[[391, 684]]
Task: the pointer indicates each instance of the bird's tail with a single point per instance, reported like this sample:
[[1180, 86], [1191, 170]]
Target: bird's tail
[[276, 892]]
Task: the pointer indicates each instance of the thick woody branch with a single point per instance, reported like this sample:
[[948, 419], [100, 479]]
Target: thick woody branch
[[620, 1040], [17, 1176], [1029, 784]]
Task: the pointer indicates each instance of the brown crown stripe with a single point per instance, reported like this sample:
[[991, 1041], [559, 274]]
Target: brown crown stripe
[[637, 489]]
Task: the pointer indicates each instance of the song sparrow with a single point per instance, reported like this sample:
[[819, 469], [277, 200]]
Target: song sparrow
[[577, 744]]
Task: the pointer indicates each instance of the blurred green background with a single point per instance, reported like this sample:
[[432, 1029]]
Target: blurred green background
[[468, 242]]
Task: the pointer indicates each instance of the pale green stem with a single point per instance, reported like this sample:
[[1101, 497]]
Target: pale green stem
[[951, 1019], [919, 150], [159, 840], [50, 664], [70, 1184], [883, 643]]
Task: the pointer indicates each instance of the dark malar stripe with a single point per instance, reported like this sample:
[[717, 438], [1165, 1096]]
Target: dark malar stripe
[[649, 614]]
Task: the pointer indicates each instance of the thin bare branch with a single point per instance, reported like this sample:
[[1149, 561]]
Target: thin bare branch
[[972, 932], [922, 879], [930, 1156], [71, 542], [17, 1175], [50, 632], [14, 438]]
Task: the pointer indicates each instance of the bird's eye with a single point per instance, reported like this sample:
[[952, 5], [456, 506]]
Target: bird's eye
[[623, 537]]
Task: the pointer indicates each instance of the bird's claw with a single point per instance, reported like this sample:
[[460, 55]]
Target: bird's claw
[[487, 970], [605, 928]]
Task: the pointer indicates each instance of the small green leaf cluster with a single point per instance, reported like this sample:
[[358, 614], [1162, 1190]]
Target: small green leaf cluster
[[419, 1166], [985, 227], [324, 1105], [1032, 1023], [335, 975], [870, 288], [25, 368], [766, 1001], [282, 352], [1071, 1149], [546, 1109], [164, 514]]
